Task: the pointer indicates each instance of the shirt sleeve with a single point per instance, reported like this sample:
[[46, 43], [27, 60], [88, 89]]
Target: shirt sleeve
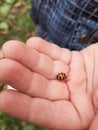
[[70, 24]]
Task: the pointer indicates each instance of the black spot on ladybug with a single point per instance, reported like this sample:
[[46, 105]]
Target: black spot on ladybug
[[61, 76]]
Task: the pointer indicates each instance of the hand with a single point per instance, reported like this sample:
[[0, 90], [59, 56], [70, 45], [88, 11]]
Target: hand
[[40, 98]]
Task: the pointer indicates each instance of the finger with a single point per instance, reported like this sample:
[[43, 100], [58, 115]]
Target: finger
[[14, 74], [27, 109], [33, 84], [50, 49], [1, 54], [54, 115], [34, 60]]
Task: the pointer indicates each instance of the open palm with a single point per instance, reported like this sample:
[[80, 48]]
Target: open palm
[[40, 98]]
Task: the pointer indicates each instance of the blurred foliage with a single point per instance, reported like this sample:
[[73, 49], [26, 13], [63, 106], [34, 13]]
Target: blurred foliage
[[10, 123], [15, 23]]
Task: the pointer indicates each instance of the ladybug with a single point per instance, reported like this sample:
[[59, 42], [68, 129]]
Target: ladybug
[[61, 76]]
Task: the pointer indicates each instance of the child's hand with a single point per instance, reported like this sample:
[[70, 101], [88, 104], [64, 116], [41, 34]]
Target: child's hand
[[40, 98]]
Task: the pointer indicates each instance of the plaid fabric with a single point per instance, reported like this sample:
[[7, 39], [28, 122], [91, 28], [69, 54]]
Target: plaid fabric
[[67, 23]]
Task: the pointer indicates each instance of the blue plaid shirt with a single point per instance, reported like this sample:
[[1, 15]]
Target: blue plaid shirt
[[67, 23]]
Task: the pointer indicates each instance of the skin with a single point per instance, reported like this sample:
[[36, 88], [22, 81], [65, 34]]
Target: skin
[[39, 97]]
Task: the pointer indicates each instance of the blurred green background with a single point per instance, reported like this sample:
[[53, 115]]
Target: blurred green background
[[15, 23]]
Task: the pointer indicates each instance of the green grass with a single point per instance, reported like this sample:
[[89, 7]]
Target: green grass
[[15, 23]]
